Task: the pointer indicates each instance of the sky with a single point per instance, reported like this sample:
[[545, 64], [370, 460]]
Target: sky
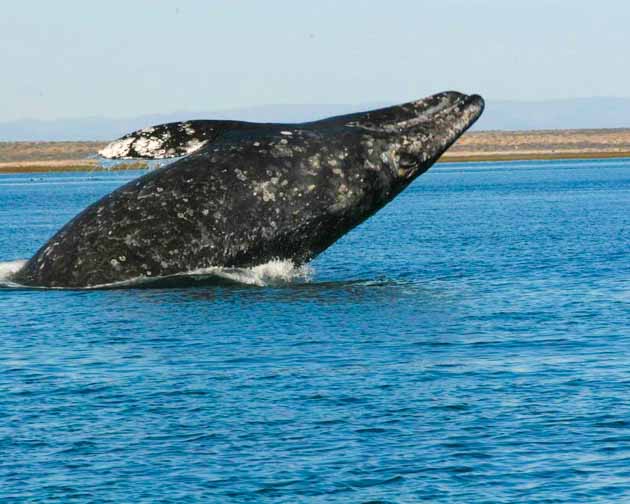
[[126, 58]]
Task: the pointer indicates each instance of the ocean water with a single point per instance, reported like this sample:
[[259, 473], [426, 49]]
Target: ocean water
[[469, 343]]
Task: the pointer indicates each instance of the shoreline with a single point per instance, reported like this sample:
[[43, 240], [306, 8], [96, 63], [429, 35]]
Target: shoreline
[[8, 168], [71, 165], [472, 147], [533, 156]]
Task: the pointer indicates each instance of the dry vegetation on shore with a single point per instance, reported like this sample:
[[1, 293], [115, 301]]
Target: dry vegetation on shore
[[542, 144], [473, 146]]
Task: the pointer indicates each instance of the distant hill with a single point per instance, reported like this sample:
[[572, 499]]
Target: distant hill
[[95, 128], [589, 113], [579, 113]]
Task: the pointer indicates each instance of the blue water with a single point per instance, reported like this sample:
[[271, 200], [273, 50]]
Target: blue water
[[469, 343]]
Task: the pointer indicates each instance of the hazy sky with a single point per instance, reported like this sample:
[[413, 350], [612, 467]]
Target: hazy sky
[[125, 58]]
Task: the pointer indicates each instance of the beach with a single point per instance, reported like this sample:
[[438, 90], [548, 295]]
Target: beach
[[25, 157]]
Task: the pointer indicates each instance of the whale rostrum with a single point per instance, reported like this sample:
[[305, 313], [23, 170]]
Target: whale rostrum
[[247, 193]]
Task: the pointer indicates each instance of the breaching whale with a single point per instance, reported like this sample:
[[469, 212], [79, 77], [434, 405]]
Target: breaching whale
[[247, 193]]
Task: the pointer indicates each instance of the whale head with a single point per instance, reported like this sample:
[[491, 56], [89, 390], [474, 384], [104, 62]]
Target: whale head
[[409, 138]]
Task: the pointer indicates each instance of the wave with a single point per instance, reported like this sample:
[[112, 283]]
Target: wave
[[274, 272]]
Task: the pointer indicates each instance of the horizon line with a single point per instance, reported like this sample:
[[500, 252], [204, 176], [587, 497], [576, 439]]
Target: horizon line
[[268, 105]]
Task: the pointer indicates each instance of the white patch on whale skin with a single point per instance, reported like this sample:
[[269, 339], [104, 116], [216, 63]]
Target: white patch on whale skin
[[151, 147], [118, 149], [194, 145], [390, 160], [133, 147], [147, 147], [187, 128], [150, 143], [266, 189]]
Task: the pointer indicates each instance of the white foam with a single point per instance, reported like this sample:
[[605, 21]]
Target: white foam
[[274, 272], [271, 273], [7, 270]]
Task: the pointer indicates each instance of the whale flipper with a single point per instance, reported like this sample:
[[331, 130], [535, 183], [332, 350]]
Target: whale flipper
[[168, 140]]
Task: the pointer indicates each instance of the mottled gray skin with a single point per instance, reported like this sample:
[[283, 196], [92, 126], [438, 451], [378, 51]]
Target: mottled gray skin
[[252, 193]]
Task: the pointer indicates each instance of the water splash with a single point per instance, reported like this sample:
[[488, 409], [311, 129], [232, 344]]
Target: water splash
[[274, 272], [136, 164], [7, 270]]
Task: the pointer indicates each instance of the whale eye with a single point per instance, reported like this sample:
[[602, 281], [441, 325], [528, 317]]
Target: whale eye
[[407, 159]]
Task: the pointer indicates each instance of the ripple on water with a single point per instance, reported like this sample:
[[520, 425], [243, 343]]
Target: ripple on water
[[467, 344]]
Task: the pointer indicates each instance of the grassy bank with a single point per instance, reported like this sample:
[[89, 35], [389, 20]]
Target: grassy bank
[[476, 146], [471, 158], [66, 166]]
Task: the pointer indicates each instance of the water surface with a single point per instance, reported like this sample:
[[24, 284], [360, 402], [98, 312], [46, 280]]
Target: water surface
[[469, 343]]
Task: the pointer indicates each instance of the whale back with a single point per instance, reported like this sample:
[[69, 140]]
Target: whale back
[[177, 139]]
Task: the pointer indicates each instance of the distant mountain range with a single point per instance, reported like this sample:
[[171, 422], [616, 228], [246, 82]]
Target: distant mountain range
[[581, 113]]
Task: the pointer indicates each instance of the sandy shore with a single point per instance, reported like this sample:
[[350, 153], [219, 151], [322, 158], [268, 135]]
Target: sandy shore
[[24, 157]]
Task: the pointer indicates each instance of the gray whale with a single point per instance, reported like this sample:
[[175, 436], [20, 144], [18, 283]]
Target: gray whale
[[247, 193]]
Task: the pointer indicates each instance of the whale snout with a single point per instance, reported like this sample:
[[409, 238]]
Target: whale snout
[[449, 110], [477, 99], [429, 127], [451, 106], [475, 105], [468, 108]]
